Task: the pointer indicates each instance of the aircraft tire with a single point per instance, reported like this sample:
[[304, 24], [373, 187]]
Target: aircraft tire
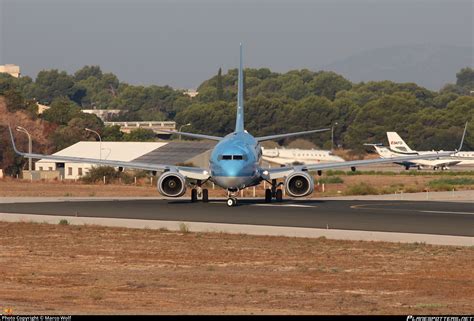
[[268, 195], [205, 195], [279, 195], [231, 201], [194, 196]]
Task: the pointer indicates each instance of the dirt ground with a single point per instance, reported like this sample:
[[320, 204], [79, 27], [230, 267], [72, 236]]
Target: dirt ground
[[13, 187], [62, 269]]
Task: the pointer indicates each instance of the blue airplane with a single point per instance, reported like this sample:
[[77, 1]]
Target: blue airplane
[[235, 164]]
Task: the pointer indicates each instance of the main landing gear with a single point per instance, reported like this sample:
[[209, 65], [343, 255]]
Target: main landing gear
[[199, 192], [274, 192]]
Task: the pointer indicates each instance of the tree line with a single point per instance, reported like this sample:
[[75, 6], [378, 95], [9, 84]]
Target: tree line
[[274, 103]]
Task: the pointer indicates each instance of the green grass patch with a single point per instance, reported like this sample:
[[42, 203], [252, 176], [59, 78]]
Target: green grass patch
[[453, 181], [447, 184], [405, 173], [361, 189], [331, 180]]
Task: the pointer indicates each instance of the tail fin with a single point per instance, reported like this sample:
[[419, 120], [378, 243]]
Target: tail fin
[[462, 139], [397, 144], [239, 122]]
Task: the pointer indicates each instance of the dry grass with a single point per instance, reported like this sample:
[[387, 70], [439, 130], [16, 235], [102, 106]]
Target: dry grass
[[89, 269]]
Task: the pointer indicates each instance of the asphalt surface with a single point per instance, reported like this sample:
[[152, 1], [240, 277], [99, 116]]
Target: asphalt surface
[[443, 218]]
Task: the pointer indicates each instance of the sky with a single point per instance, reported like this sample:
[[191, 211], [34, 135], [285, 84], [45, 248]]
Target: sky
[[183, 42]]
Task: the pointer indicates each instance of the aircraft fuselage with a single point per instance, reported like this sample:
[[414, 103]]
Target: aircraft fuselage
[[235, 161]]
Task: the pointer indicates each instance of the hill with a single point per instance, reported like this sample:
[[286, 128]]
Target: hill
[[430, 66]]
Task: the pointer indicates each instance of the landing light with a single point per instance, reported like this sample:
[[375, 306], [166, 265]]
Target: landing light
[[205, 172], [265, 172]]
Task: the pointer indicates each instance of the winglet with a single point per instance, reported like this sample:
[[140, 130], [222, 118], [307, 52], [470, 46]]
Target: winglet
[[13, 141], [462, 139]]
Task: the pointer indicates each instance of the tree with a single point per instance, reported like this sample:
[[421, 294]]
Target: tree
[[465, 78], [52, 84], [327, 84], [219, 87], [74, 131], [219, 113], [88, 71], [112, 133], [62, 110], [140, 135]]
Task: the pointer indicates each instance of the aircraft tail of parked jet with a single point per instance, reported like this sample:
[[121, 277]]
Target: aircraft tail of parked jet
[[397, 144]]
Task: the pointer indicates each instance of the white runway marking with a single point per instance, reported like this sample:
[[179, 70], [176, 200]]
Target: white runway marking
[[443, 212]]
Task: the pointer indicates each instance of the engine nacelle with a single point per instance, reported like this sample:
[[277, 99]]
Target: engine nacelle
[[299, 184], [171, 184]]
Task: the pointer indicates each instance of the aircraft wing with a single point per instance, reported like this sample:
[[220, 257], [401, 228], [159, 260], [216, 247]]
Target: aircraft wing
[[279, 136], [284, 171], [201, 136], [189, 172], [438, 163]]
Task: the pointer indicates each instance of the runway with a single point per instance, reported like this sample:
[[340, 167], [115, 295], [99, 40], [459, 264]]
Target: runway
[[440, 218]]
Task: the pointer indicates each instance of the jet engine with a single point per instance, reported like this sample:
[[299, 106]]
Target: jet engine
[[171, 184], [299, 184]]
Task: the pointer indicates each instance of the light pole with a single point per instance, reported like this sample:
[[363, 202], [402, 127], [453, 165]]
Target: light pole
[[332, 136], [181, 127], [30, 145], [100, 141]]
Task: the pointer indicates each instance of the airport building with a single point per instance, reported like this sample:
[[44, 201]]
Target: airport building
[[12, 70], [190, 153], [155, 126], [103, 114]]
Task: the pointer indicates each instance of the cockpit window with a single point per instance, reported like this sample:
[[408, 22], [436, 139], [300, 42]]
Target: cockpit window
[[230, 157]]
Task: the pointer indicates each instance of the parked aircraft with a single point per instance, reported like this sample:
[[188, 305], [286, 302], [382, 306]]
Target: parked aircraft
[[234, 164], [399, 148], [296, 156]]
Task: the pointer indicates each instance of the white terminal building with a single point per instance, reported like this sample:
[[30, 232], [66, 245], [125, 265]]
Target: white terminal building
[[12, 70], [195, 153], [118, 151]]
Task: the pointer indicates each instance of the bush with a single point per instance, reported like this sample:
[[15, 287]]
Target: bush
[[63, 222], [96, 174], [184, 228]]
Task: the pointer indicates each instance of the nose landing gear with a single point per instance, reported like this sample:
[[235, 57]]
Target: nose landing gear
[[232, 199]]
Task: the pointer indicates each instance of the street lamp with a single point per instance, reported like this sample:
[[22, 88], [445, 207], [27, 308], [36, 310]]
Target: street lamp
[[30, 145], [332, 135], [100, 141], [181, 127]]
